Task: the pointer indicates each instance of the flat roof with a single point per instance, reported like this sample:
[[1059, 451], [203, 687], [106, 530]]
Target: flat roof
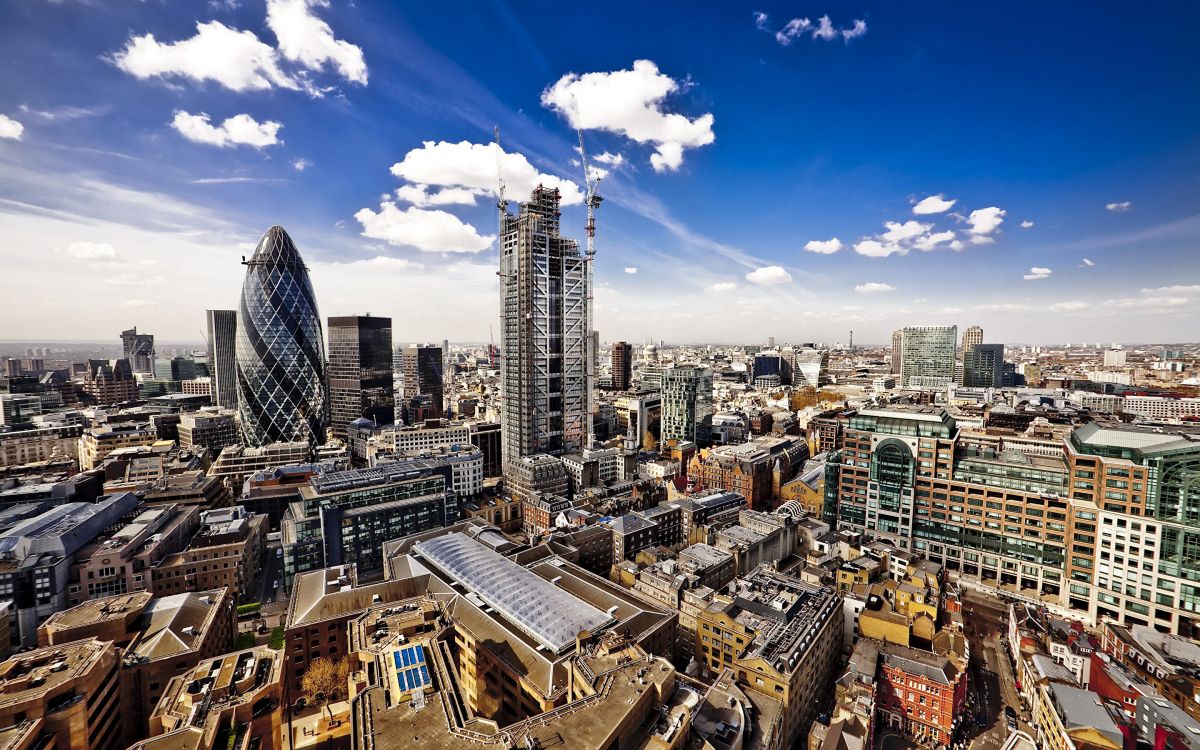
[[541, 609]]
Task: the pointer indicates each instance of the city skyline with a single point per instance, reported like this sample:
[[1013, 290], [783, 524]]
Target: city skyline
[[724, 194]]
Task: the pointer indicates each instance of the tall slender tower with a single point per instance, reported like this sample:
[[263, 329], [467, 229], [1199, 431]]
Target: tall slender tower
[[971, 336], [360, 371], [280, 348], [545, 329], [222, 357]]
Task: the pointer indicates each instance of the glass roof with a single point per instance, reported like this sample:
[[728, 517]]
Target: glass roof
[[540, 609]]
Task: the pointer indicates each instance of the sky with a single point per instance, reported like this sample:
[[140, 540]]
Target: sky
[[788, 169]]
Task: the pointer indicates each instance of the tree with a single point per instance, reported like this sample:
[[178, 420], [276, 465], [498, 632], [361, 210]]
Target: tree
[[325, 681], [648, 441]]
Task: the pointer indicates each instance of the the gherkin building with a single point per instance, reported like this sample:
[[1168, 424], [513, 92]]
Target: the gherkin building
[[280, 348]]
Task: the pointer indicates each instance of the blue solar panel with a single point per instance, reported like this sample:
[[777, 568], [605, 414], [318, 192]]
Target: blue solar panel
[[411, 670]]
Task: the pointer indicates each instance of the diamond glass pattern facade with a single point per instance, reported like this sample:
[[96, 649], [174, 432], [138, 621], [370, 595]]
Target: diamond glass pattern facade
[[280, 348]]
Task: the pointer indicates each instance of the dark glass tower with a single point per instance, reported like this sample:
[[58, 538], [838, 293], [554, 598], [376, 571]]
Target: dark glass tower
[[360, 371], [280, 349]]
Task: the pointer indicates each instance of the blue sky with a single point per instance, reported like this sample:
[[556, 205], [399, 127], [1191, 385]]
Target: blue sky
[[145, 146]]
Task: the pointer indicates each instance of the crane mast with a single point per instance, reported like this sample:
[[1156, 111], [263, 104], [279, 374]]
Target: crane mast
[[592, 201]]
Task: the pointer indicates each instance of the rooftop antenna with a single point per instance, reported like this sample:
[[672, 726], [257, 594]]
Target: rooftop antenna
[[591, 199]]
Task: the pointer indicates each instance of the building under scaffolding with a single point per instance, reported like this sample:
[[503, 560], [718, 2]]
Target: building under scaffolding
[[545, 327]]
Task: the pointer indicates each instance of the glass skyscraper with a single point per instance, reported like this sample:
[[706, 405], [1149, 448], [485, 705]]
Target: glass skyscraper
[[222, 357], [280, 348], [360, 371], [927, 356]]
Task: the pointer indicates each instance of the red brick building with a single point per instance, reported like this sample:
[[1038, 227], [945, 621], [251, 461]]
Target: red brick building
[[920, 694]]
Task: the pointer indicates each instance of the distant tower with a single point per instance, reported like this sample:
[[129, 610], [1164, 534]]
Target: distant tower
[[897, 341], [360, 371], [971, 336], [622, 365], [139, 350], [280, 348], [927, 356], [852, 341], [424, 375], [222, 357]]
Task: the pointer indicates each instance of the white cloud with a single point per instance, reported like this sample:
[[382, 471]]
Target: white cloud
[[10, 128], [874, 287], [934, 204], [308, 40], [428, 231], [1147, 303], [1027, 224], [239, 130], [1037, 272], [419, 195], [1189, 289], [951, 310], [722, 286], [1089, 262], [387, 263], [769, 276], [1119, 208], [133, 279], [1068, 306], [630, 102], [931, 241], [986, 220], [96, 252], [876, 249], [897, 232], [630, 269], [130, 303], [301, 164], [956, 245], [612, 160], [473, 166], [798, 27], [824, 247], [982, 239], [238, 60]]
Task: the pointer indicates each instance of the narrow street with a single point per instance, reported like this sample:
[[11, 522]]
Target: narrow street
[[992, 685]]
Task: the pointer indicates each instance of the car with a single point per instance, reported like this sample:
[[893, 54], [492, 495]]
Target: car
[[1010, 713], [279, 551]]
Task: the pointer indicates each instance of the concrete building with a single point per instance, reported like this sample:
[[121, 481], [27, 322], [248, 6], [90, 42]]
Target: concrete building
[[108, 382], [198, 707], [227, 550], [360, 371], [121, 559], [235, 463], [895, 354], [622, 365], [545, 330], [780, 637], [40, 444], [465, 462], [212, 431], [687, 403], [972, 336], [222, 357], [97, 442], [426, 436], [68, 694], [534, 475], [928, 356], [156, 638]]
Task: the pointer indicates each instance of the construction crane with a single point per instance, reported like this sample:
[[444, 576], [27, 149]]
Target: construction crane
[[591, 199], [501, 201]]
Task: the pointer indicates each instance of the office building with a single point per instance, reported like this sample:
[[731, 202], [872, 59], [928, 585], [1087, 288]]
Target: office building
[[811, 368], [108, 382], [426, 436], [39, 444], [983, 366], [360, 372], [98, 442], [222, 357], [897, 349], [212, 431], [770, 370], [971, 336], [156, 638], [226, 550], [1114, 357], [138, 348], [687, 392], [545, 330], [62, 697], [622, 365], [235, 463], [280, 348], [756, 470], [424, 376], [927, 356]]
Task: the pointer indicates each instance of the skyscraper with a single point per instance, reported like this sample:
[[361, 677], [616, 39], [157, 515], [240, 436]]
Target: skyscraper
[[927, 356], [687, 392], [544, 326], [622, 365], [360, 371], [424, 376], [222, 356], [972, 336], [139, 350], [897, 347], [811, 368], [280, 348], [983, 366]]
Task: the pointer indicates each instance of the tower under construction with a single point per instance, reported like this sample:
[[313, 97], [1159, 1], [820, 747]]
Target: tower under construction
[[545, 330]]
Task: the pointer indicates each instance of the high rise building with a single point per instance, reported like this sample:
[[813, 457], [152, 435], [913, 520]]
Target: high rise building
[[424, 376], [622, 365], [139, 350], [544, 325], [108, 382], [280, 348], [811, 368], [897, 348], [972, 336], [927, 356], [222, 357], [360, 371], [687, 410], [983, 366]]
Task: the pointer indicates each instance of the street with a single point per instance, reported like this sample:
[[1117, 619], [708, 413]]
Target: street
[[991, 684]]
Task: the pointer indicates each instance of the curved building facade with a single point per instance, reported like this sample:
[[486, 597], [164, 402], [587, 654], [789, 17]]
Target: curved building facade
[[280, 348]]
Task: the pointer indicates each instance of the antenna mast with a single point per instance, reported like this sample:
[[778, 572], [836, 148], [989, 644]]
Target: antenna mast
[[591, 199]]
